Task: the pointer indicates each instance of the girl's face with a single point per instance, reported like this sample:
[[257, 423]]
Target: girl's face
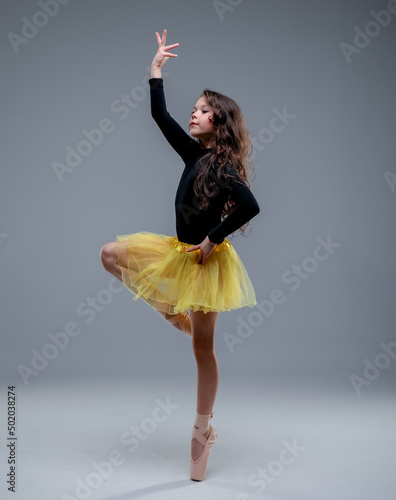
[[201, 121]]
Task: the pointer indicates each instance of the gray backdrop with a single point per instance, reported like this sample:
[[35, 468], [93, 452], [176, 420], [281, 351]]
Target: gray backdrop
[[325, 172]]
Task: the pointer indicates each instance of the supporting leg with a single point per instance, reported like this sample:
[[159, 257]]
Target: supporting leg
[[203, 329]]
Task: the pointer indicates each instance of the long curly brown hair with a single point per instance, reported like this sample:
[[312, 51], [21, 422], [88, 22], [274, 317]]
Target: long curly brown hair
[[232, 152]]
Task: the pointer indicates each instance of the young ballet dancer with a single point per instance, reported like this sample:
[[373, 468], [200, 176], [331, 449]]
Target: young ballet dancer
[[197, 270]]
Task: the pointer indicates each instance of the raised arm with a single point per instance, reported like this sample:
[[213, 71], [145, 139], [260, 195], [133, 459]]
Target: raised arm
[[173, 132]]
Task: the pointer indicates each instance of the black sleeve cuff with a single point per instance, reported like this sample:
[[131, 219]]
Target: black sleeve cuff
[[156, 82], [212, 238]]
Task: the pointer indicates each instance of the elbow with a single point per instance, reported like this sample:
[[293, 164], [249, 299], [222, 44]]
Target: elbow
[[155, 111], [158, 116], [255, 210]]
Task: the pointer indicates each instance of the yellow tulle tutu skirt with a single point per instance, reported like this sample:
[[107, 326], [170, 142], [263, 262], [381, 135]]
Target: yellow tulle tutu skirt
[[157, 268]]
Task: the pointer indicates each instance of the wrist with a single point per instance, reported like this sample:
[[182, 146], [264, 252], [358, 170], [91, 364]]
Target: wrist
[[213, 243], [155, 71]]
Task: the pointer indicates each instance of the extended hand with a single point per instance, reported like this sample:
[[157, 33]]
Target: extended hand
[[206, 248], [161, 56]]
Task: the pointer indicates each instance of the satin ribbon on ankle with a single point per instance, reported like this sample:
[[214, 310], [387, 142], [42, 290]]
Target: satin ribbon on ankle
[[202, 420]]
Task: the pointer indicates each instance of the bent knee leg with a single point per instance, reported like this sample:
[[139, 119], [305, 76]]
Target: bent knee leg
[[108, 256]]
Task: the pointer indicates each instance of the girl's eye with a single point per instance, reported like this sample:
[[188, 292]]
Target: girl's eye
[[203, 111]]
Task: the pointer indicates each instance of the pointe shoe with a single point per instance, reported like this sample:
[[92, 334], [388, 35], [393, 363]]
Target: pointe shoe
[[198, 467]]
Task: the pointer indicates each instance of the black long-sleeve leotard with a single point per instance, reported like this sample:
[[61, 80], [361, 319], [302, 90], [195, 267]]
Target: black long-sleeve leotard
[[193, 224]]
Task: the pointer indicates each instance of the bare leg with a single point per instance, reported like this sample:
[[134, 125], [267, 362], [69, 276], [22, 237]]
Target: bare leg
[[203, 329], [117, 266], [181, 321], [110, 260]]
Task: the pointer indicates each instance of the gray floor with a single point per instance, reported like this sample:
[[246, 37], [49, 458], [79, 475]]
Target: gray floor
[[344, 444]]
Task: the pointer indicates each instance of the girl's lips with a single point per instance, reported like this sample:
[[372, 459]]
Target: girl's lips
[[193, 124]]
